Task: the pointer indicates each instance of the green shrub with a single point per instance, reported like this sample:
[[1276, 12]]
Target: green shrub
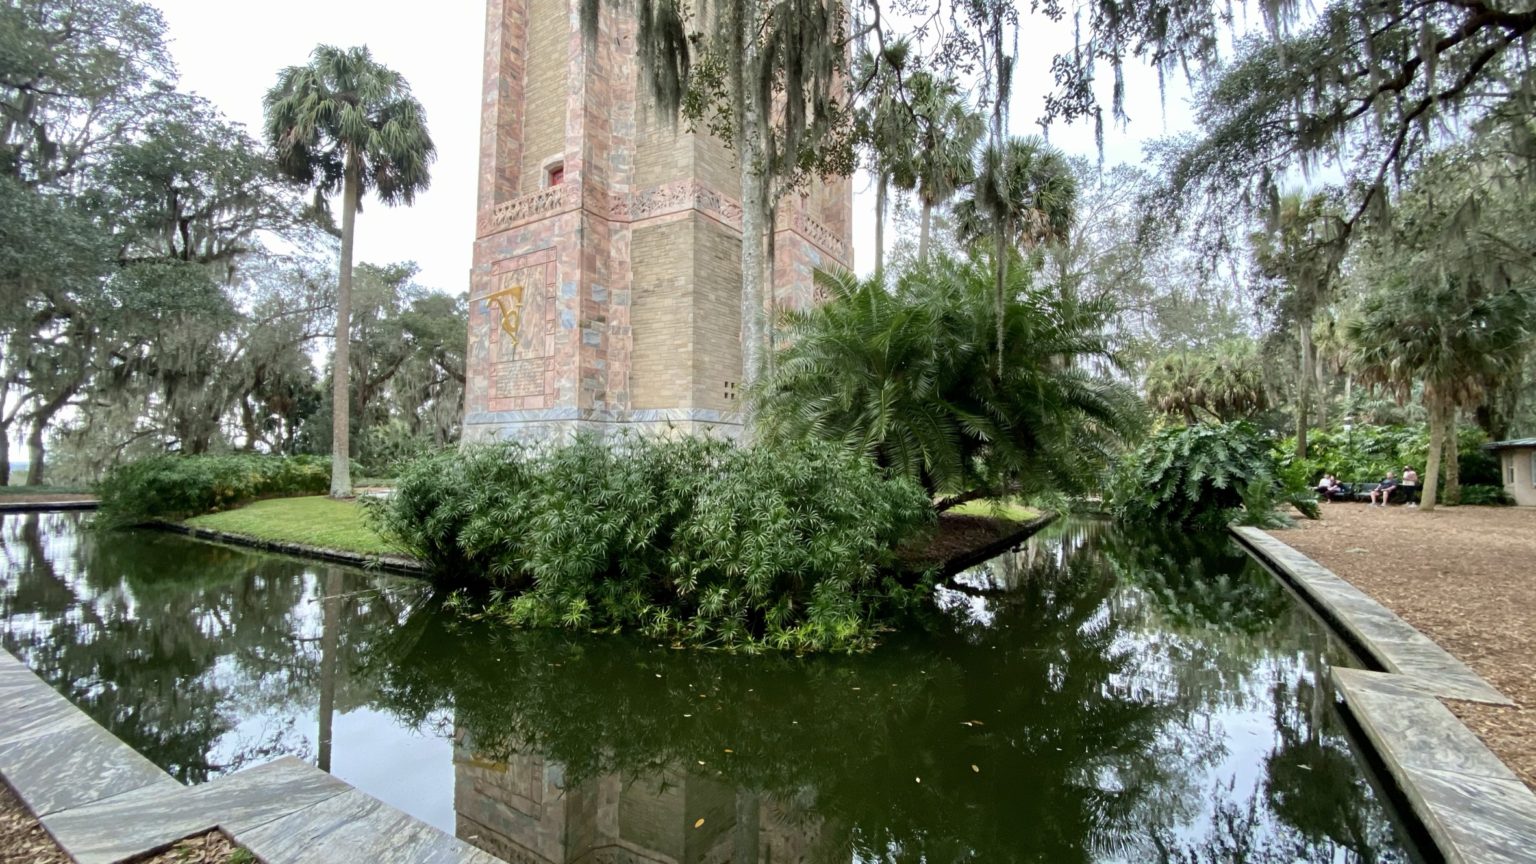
[[1487, 495], [1205, 476], [692, 539], [1365, 453], [177, 487]]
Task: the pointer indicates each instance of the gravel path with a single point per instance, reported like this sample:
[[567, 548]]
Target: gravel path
[[1465, 577]]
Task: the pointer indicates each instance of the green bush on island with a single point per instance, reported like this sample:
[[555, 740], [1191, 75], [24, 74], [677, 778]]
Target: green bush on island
[[693, 539], [1205, 476], [176, 487]]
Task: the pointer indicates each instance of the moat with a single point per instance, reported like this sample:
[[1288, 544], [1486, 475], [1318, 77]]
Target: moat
[[1091, 697]]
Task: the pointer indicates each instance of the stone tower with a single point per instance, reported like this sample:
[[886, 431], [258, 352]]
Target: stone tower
[[606, 286]]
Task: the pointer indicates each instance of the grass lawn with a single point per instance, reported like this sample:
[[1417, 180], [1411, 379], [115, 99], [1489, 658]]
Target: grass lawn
[[996, 509], [317, 521]]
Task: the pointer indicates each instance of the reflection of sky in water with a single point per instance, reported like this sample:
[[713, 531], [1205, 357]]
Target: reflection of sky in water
[[245, 634]]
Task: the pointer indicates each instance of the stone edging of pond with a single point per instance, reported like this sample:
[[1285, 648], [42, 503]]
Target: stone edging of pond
[[46, 506], [1471, 804], [103, 802], [394, 563]]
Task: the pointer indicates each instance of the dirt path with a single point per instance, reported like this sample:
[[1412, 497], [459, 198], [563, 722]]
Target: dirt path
[[1465, 577]]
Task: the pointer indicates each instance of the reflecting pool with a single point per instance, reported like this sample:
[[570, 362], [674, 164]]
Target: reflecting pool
[[1092, 696]]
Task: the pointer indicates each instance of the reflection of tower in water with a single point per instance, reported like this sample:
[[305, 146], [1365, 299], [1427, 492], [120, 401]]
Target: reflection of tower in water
[[519, 808]]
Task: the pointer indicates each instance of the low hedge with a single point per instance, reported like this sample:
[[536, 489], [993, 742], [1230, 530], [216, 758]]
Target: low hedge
[[178, 487], [694, 539]]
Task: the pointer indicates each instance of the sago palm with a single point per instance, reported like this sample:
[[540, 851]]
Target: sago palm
[[346, 123], [904, 376]]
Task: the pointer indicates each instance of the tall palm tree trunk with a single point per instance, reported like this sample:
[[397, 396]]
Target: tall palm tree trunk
[[341, 360], [882, 190], [1304, 387], [1437, 414], [1452, 457], [1002, 281], [922, 236]]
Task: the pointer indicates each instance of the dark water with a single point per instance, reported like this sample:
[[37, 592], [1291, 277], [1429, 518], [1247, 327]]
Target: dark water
[[1104, 699]]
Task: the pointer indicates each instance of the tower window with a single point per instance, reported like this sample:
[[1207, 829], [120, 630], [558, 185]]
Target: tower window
[[554, 175]]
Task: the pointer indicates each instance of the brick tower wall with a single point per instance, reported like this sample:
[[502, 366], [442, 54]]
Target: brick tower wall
[[611, 300]]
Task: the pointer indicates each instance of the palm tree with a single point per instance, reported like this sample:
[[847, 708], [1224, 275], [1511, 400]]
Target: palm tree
[[946, 161], [1025, 195], [347, 123], [903, 375], [1300, 257], [1226, 381], [887, 129], [1450, 333]]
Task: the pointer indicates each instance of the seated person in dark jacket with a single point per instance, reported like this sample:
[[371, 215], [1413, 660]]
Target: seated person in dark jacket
[[1384, 489]]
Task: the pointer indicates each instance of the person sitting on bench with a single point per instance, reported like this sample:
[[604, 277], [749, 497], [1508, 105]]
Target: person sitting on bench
[[1328, 487], [1384, 489]]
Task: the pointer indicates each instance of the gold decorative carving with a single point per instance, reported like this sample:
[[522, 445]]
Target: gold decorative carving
[[509, 302]]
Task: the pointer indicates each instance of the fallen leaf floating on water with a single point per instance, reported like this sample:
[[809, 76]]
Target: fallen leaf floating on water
[[919, 779], [699, 824], [729, 750], [976, 770]]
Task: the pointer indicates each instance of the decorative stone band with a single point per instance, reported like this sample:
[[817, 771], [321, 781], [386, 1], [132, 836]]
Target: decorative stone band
[[482, 426], [657, 201], [528, 208]]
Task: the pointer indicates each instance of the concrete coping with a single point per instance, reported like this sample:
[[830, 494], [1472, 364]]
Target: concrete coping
[[8, 507], [103, 802], [1470, 803]]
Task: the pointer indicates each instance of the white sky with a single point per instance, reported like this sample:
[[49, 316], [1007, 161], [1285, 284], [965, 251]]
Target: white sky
[[231, 59]]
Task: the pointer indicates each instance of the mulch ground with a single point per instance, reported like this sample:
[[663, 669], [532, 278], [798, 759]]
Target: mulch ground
[[1465, 577], [22, 838], [956, 538]]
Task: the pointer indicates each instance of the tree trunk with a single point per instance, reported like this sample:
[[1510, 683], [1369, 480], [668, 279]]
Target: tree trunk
[[754, 207], [1304, 386], [1002, 289], [882, 190], [922, 235], [44, 415], [5, 456], [1436, 443], [35, 451], [1452, 457], [341, 361], [1320, 378]]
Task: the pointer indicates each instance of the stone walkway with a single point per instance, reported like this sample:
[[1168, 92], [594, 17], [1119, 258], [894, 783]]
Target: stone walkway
[[1470, 802], [105, 803]]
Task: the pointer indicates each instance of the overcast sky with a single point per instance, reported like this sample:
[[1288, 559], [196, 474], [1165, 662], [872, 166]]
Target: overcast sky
[[437, 47]]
